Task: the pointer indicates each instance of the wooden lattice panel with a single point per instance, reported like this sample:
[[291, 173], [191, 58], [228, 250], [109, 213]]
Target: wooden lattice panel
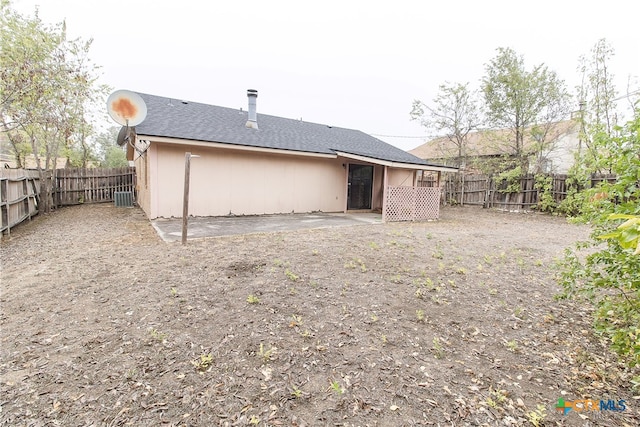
[[427, 203], [399, 204], [412, 203]]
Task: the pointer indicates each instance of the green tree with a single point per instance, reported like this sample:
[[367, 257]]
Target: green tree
[[522, 101], [454, 113], [597, 118], [108, 152], [106, 138], [115, 157], [48, 87]]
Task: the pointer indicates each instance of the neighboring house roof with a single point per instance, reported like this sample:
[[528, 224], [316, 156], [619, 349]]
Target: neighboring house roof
[[29, 162], [490, 142], [209, 123]]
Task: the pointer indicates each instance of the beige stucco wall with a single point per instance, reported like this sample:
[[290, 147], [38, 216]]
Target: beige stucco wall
[[225, 181], [401, 177], [143, 195]]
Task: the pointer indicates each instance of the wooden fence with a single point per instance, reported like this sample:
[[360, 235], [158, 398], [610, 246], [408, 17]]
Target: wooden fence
[[487, 191], [20, 190], [75, 186], [19, 197]]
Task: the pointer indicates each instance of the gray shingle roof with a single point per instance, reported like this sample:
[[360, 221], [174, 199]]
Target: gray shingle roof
[[201, 122]]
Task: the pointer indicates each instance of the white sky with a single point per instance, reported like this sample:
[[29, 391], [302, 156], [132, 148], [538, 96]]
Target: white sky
[[348, 63]]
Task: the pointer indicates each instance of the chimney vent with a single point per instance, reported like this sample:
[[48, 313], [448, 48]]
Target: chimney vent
[[252, 122]]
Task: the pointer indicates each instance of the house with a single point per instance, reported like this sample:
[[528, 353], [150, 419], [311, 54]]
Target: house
[[251, 164], [560, 141]]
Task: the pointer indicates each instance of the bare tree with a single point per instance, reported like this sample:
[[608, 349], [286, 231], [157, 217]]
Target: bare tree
[[454, 113], [597, 89], [597, 96]]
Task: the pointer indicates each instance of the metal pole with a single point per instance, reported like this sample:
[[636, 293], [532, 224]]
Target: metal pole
[[185, 200]]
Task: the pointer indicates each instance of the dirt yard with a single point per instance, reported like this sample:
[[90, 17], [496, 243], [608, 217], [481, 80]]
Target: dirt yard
[[452, 322]]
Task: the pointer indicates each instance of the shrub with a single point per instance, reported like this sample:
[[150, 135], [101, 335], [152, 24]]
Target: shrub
[[608, 273]]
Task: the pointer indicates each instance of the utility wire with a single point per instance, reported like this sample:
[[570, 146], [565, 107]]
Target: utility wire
[[398, 136], [628, 95]]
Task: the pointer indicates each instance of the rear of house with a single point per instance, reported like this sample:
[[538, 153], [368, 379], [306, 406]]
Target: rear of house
[[250, 164]]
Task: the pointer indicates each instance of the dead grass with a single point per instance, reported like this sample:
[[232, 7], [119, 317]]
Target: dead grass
[[104, 324]]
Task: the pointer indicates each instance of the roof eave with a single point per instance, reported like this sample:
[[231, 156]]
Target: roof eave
[[228, 146], [401, 165]]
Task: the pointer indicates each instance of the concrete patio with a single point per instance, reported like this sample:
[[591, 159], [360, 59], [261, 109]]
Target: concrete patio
[[170, 230]]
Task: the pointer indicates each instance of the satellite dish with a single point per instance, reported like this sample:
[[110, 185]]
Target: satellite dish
[[126, 108], [123, 136]]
